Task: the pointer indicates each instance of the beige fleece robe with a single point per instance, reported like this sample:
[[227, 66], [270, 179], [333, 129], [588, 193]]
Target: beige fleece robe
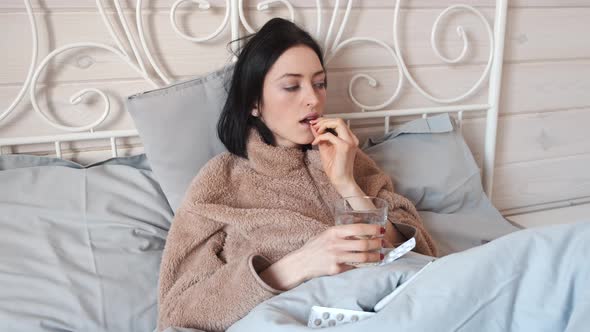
[[241, 215]]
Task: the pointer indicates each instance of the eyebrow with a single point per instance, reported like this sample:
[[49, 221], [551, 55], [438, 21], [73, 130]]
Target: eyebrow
[[300, 75]]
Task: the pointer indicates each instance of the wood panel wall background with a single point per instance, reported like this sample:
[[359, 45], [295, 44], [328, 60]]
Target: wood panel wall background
[[543, 152]]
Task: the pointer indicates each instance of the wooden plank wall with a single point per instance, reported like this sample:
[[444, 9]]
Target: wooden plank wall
[[543, 142]]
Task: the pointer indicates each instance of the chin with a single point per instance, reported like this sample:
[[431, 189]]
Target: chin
[[306, 139], [295, 138]]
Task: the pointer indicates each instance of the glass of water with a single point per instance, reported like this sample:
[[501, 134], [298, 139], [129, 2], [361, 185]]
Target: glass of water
[[362, 210]]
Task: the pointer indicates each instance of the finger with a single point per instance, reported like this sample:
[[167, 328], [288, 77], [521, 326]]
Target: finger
[[346, 133], [344, 231], [328, 138], [359, 245], [343, 134], [337, 124], [355, 139], [360, 257], [314, 131]]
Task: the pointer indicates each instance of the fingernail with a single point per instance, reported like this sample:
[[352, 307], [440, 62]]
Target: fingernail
[[382, 230], [383, 243], [382, 256]]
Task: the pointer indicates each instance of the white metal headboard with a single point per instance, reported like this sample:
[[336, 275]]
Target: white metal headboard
[[234, 16]]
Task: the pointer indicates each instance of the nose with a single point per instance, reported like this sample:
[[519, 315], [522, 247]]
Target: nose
[[311, 98]]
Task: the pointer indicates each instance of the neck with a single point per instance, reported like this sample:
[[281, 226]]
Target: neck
[[271, 160]]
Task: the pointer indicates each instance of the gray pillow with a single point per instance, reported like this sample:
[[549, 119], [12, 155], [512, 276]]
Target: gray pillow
[[466, 228], [80, 246], [178, 127], [430, 164]]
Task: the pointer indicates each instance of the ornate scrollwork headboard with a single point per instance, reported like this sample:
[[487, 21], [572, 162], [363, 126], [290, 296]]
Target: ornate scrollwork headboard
[[139, 57]]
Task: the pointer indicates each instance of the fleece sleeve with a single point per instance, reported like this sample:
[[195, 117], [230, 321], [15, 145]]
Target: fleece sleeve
[[198, 288], [402, 214]]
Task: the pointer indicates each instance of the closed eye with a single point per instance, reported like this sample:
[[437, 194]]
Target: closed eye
[[292, 88], [320, 85]]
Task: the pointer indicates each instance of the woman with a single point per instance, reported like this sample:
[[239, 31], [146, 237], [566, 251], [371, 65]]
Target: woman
[[258, 219]]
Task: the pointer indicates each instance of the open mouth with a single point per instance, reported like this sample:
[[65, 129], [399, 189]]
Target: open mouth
[[309, 118]]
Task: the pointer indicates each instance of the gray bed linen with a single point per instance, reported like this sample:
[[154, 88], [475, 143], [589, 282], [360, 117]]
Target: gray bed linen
[[467, 227], [178, 128], [530, 280], [80, 247], [430, 164]]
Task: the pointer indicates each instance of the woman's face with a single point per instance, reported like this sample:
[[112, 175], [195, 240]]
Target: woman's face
[[294, 92]]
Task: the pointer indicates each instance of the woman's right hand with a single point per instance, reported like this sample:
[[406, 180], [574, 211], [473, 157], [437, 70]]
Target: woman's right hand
[[327, 254]]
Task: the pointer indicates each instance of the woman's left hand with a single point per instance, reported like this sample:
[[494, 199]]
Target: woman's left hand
[[337, 153]]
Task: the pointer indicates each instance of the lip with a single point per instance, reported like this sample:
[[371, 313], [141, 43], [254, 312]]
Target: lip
[[311, 116]]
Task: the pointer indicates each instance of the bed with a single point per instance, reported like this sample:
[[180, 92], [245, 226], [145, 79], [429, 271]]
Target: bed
[[81, 244]]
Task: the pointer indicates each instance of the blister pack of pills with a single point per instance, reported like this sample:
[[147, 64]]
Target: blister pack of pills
[[398, 252], [321, 317]]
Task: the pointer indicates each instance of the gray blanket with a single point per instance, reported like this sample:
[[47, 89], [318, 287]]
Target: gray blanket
[[530, 280]]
